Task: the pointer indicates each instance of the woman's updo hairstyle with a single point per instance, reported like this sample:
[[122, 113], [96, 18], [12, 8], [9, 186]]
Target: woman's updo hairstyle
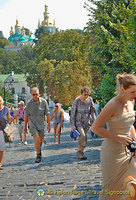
[[126, 80]]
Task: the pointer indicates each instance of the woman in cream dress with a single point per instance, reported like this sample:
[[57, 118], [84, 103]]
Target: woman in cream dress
[[118, 171]]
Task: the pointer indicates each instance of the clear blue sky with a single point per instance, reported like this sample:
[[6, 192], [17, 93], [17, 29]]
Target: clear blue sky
[[67, 13]]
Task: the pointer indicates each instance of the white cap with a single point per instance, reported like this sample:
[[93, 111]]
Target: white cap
[[21, 102]]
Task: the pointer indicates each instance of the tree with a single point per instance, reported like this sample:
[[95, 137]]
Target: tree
[[7, 94], [33, 76], [124, 47], [63, 64], [112, 32], [10, 62], [27, 52], [66, 45], [15, 61], [65, 79], [39, 32], [3, 40]]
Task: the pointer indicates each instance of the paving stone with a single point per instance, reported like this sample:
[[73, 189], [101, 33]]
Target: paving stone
[[59, 172]]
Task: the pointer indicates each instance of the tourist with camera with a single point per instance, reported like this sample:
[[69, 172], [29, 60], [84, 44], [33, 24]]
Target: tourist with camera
[[118, 162]]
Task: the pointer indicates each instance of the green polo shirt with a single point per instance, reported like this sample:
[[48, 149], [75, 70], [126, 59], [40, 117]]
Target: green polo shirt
[[37, 112]]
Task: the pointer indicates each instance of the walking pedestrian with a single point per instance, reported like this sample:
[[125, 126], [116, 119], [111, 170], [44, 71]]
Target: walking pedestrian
[[82, 116], [4, 120], [21, 115], [12, 113], [37, 112], [58, 118], [118, 165]]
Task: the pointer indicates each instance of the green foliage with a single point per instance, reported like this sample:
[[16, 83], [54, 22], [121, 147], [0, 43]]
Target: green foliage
[[63, 64], [3, 42], [108, 85], [7, 94], [15, 61], [33, 76], [10, 62], [123, 48], [39, 32], [65, 79], [67, 45], [27, 53], [113, 43]]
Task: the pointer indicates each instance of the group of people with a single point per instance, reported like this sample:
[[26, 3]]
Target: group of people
[[118, 165]]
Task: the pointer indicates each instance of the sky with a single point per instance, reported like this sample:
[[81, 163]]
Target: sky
[[68, 14]]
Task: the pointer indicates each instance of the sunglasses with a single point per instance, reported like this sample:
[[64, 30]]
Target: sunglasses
[[35, 94]]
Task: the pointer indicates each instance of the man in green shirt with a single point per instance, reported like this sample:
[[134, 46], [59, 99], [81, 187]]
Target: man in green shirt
[[37, 113]]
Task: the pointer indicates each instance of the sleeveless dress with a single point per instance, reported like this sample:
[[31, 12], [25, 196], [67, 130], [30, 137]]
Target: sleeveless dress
[[115, 161], [57, 118]]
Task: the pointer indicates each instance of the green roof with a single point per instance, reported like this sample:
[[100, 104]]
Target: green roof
[[20, 77], [11, 39], [26, 36], [30, 39], [16, 35], [22, 38]]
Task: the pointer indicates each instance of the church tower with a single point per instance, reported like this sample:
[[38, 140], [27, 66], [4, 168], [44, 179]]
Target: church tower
[[46, 23], [17, 27], [18, 39], [46, 17]]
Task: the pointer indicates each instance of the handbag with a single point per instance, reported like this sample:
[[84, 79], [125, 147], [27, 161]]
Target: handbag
[[8, 137]]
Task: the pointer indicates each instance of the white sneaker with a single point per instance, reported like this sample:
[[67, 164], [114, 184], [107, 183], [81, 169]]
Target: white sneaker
[[20, 143], [25, 143]]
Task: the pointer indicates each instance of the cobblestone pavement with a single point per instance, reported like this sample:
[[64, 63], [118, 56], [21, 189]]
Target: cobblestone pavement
[[60, 174]]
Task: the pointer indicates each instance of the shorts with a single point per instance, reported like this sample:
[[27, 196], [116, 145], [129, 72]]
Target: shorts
[[33, 130], [57, 123], [21, 127], [2, 142]]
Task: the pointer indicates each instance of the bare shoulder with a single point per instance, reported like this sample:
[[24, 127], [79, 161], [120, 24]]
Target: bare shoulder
[[111, 105], [109, 110]]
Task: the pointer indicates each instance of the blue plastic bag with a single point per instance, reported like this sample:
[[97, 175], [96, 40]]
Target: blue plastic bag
[[74, 134]]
